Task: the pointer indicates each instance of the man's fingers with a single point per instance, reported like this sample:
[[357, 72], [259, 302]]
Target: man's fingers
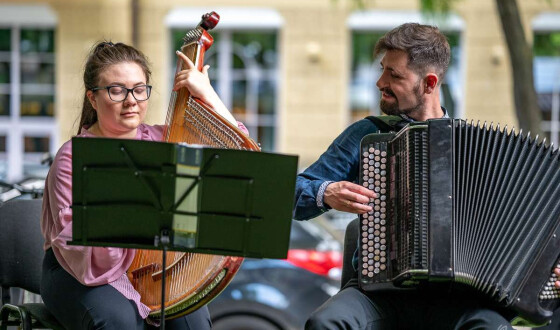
[[349, 197], [361, 194], [358, 208], [359, 198], [362, 190]]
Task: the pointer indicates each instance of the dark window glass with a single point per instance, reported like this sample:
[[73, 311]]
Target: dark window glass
[[4, 105], [2, 143], [4, 72], [546, 67], [266, 137], [239, 97], [267, 97], [35, 72], [37, 105], [547, 44], [258, 46], [36, 41], [5, 40], [5, 57], [36, 144]]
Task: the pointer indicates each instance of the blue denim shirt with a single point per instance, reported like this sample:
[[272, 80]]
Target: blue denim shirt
[[339, 163]]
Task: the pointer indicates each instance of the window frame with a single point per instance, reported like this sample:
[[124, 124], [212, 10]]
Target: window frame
[[381, 21], [543, 23], [235, 20], [15, 127]]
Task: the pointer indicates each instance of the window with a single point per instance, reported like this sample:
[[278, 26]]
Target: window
[[3, 157], [37, 72], [546, 68], [367, 28], [27, 90], [244, 67]]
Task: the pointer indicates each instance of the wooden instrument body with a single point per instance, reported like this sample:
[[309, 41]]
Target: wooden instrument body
[[192, 279]]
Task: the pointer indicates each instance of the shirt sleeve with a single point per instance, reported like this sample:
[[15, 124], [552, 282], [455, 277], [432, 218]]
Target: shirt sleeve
[[89, 265], [338, 163], [242, 127]]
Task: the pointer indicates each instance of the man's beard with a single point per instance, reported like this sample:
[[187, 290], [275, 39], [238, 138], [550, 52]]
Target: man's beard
[[393, 109]]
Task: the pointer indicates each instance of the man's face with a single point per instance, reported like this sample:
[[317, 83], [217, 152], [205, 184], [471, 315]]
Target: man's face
[[401, 88]]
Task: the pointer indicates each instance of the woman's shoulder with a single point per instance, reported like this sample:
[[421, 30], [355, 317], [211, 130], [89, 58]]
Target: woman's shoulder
[[150, 132], [61, 167], [65, 151]]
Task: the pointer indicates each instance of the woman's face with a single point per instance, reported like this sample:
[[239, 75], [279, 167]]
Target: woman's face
[[118, 119]]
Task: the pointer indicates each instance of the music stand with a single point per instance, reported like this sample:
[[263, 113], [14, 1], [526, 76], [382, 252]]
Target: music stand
[[178, 197]]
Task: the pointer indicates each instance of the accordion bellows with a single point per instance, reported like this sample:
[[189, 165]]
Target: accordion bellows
[[465, 203]]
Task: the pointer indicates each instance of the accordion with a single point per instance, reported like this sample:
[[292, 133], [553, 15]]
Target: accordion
[[464, 203]]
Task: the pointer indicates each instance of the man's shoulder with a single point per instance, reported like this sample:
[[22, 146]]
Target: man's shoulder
[[387, 123], [361, 127]]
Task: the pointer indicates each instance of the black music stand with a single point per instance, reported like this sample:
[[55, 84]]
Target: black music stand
[[178, 197]]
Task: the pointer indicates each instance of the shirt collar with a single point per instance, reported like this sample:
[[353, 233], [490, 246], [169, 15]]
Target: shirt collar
[[410, 120]]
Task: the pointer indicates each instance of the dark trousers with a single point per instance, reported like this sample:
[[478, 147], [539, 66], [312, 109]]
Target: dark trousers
[[410, 309], [77, 306]]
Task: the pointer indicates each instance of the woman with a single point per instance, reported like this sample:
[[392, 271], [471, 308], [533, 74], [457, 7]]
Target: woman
[[86, 287]]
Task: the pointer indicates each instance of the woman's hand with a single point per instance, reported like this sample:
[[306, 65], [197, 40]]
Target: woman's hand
[[198, 85]]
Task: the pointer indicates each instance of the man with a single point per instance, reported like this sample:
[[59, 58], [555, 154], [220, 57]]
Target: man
[[415, 59]]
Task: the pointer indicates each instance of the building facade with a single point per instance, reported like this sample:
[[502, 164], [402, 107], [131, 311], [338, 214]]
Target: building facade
[[295, 72]]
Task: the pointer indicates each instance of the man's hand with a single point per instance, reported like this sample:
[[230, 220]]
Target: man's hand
[[348, 197], [557, 272]]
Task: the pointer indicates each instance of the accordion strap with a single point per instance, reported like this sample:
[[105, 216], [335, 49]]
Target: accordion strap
[[388, 123]]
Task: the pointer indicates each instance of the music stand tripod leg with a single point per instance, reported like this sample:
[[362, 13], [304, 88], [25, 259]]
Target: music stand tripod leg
[[163, 240]]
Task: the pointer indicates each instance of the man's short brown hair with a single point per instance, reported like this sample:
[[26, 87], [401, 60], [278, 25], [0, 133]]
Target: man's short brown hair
[[427, 48]]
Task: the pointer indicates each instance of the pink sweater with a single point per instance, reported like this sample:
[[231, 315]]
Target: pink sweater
[[91, 266]]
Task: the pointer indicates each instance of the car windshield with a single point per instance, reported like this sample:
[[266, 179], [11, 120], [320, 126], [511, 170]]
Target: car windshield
[[310, 235]]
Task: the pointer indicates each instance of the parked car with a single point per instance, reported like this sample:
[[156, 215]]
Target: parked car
[[269, 294]]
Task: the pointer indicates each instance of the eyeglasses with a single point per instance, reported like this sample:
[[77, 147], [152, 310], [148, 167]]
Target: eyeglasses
[[120, 93]]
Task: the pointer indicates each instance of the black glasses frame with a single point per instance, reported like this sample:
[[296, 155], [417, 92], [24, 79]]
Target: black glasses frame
[[128, 90]]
